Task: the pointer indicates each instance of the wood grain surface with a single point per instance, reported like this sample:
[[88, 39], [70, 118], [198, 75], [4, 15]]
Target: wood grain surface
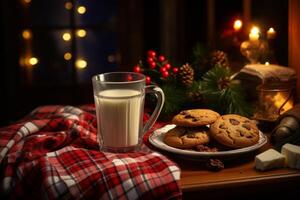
[[238, 180]]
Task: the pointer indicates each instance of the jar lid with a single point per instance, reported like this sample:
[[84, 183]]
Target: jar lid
[[270, 73]]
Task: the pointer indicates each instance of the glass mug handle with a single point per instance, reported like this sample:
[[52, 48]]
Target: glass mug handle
[[159, 105]]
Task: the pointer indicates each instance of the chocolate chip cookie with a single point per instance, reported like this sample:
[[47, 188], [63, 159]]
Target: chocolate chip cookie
[[183, 138], [235, 131], [195, 117]]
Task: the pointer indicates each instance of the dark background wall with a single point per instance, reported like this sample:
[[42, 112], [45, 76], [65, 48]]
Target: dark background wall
[[118, 35]]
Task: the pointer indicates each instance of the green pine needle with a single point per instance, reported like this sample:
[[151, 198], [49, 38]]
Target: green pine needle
[[175, 97], [223, 94], [199, 60]]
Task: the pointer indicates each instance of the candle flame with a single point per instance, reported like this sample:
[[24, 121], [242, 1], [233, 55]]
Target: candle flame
[[254, 30], [271, 30], [237, 25], [271, 33]]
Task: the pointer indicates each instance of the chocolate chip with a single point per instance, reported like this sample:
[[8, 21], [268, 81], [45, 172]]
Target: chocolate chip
[[195, 119], [234, 121], [204, 148], [249, 136], [183, 113], [190, 136], [246, 126], [188, 116], [241, 133], [222, 126]]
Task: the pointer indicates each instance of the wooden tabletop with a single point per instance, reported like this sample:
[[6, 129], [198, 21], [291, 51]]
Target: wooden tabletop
[[239, 173], [238, 177]]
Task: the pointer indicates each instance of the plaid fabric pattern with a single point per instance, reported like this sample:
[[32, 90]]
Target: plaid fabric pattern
[[53, 154]]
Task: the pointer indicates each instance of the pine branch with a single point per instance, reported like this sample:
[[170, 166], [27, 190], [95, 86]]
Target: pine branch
[[223, 94], [175, 98], [199, 60]]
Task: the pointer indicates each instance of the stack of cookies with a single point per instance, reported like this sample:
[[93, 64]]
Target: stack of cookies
[[191, 128], [198, 129]]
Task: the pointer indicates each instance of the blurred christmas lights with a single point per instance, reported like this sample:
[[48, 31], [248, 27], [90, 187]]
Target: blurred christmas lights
[[27, 34], [33, 61], [67, 56], [111, 58], [80, 64], [66, 36], [81, 10], [81, 33], [68, 5]]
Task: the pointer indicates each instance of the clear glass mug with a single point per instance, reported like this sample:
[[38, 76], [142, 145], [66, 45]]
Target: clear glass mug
[[119, 100]]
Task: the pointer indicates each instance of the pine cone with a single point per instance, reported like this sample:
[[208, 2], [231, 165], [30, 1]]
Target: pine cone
[[219, 58], [186, 75], [196, 96]]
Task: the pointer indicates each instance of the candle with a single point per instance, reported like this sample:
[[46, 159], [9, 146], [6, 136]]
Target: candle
[[271, 33], [254, 34], [237, 25], [253, 37]]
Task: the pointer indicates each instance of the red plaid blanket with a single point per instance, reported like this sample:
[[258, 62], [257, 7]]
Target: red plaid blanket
[[53, 154]]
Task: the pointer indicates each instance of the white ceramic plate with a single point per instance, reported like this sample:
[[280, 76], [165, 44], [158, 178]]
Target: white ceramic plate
[[156, 139]]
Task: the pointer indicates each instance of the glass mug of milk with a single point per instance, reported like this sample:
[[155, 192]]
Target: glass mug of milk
[[119, 99]]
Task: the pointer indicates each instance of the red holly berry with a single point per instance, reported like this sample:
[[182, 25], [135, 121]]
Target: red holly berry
[[137, 69], [165, 74], [163, 69], [148, 79], [152, 65], [151, 53], [175, 70], [167, 66], [161, 58], [129, 78], [150, 60]]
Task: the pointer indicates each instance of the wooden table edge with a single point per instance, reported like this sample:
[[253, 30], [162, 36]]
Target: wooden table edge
[[241, 182]]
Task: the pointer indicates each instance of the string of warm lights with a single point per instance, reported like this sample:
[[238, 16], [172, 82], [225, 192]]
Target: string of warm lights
[[81, 10], [80, 63], [28, 60]]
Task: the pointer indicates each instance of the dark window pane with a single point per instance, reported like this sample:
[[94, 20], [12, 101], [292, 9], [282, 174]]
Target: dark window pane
[[97, 13], [43, 57], [98, 49], [46, 13]]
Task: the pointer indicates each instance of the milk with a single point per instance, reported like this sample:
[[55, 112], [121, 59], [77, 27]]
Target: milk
[[119, 117]]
